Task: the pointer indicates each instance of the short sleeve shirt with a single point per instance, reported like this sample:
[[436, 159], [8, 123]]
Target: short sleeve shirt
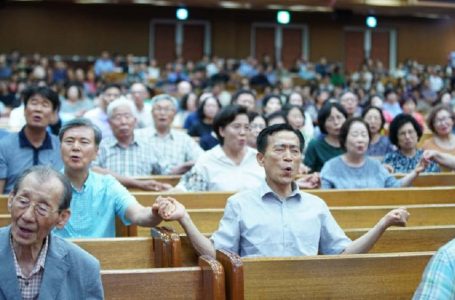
[[94, 207]]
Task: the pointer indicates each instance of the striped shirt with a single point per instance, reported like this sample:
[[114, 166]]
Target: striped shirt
[[173, 150], [138, 159], [438, 281], [30, 285]]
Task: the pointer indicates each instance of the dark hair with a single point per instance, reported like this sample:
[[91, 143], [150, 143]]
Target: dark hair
[[81, 122], [344, 131], [44, 92], [366, 110], [262, 139], [398, 122], [185, 98], [407, 98], [200, 109], [252, 115], [268, 97], [43, 174], [241, 92], [434, 112], [276, 114], [225, 117], [288, 107], [325, 111]]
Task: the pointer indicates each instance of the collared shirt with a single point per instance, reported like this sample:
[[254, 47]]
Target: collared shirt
[[137, 159], [438, 280], [30, 285], [94, 207], [100, 119], [17, 154], [258, 223], [174, 149], [214, 171]]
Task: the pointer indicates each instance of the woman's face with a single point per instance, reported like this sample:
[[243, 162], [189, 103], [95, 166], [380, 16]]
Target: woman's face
[[409, 107], [357, 140], [407, 137], [373, 119], [235, 133], [334, 122], [296, 119], [191, 103], [73, 93], [256, 126], [273, 105], [211, 108], [443, 123]]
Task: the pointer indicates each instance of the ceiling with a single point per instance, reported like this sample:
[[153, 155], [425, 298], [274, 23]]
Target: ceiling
[[418, 8]]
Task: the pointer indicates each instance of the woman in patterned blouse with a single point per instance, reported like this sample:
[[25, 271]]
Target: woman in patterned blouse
[[405, 133]]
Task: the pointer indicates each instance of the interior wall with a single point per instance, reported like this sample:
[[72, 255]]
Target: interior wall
[[88, 29]]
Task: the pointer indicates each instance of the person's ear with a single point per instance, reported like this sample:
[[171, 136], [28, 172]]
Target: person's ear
[[260, 159], [63, 217], [10, 201]]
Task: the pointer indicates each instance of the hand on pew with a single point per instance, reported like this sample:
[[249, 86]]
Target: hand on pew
[[153, 185]]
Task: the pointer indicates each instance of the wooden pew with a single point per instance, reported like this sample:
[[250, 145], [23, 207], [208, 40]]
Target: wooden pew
[[401, 196], [207, 220], [359, 276], [205, 281]]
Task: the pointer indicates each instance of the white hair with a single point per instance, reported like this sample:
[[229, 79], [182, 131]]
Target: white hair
[[167, 97], [122, 101]]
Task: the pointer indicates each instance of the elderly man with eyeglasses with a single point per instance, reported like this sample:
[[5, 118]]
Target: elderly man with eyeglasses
[[125, 155], [35, 263]]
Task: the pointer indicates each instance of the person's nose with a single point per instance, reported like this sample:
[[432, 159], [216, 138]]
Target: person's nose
[[29, 213]]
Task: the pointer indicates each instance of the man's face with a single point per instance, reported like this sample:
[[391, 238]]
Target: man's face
[[122, 122], [110, 95], [78, 148], [281, 159], [247, 101], [163, 113], [349, 102], [38, 112], [138, 93], [29, 227]]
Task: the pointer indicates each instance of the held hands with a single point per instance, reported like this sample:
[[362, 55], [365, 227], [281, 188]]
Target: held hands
[[422, 165], [168, 208], [396, 217]]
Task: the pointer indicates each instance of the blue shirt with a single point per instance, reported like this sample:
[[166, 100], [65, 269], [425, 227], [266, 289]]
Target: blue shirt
[[404, 164], [336, 174], [257, 222], [380, 148], [94, 207], [17, 154], [438, 281]]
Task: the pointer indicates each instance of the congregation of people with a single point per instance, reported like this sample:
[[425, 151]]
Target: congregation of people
[[221, 125]]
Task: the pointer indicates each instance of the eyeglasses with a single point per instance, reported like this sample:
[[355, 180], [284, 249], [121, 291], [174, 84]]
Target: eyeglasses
[[439, 121], [119, 117], [411, 133], [42, 209], [337, 118]]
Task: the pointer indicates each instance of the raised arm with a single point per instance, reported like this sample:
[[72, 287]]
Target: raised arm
[[409, 178], [171, 209], [396, 217]]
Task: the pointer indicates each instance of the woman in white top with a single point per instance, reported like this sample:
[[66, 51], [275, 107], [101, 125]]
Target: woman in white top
[[230, 166]]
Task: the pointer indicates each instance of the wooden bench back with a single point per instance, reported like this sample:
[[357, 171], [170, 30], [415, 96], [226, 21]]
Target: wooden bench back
[[205, 281]]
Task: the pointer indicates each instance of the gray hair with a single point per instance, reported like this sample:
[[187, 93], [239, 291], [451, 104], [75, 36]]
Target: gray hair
[[163, 97], [44, 174], [81, 122], [122, 101]]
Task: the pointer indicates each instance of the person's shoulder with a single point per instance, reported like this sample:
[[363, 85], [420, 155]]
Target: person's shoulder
[[77, 255], [92, 112], [313, 199]]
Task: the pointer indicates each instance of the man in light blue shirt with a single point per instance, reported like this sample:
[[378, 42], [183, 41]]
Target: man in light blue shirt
[[438, 281], [97, 198], [277, 219]]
